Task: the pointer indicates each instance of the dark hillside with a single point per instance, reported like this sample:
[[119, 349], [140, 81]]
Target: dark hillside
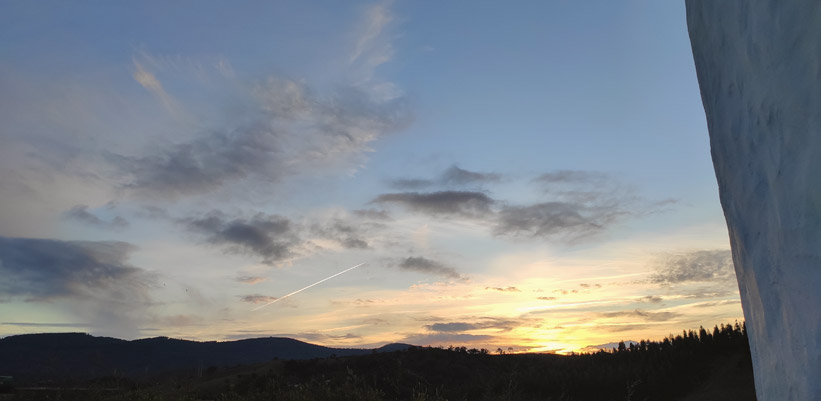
[[705, 365], [68, 357]]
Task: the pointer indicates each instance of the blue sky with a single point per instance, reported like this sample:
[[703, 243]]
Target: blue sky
[[539, 174]]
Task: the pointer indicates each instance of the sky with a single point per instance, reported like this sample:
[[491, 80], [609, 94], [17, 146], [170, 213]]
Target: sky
[[533, 177]]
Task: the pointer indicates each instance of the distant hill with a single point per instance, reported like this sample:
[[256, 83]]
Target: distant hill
[[76, 356]]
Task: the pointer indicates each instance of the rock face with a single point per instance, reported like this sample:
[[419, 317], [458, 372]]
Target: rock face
[[759, 68]]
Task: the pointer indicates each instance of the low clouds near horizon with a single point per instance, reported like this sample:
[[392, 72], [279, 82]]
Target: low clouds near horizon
[[93, 279]]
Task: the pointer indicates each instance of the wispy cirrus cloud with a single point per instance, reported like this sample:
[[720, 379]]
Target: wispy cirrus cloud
[[150, 82]]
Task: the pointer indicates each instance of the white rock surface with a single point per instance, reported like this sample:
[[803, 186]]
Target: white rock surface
[[759, 68]]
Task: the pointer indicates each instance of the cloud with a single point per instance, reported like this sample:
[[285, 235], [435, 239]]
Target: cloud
[[271, 237], [80, 213], [411, 183], [503, 289], [695, 266], [250, 279], [373, 47], [257, 299], [428, 266], [294, 131], [651, 299], [547, 298], [453, 176], [451, 327], [30, 324], [153, 213], [571, 220], [444, 339], [577, 205], [148, 81], [718, 303], [92, 277], [322, 337], [372, 214], [349, 236], [443, 203], [710, 293], [572, 176], [649, 316], [483, 323], [457, 176]]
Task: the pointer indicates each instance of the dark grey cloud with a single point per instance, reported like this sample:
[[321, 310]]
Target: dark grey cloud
[[80, 213], [458, 176], [482, 323], [428, 266], [503, 289], [649, 316], [411, 183], [271, 237], [257, 299], [294, 129], [203, 164], [43, 269], [372, 214], [444, 339], [90, 278], [655, 299], [696, 266], [451, 327], [453, 176], [443, 203], [569, 220], [576, 204]]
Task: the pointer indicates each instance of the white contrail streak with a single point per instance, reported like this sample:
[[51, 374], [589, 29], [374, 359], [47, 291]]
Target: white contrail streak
[[305, 288]]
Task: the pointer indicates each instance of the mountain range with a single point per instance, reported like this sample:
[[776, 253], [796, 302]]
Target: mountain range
[[60, 357]]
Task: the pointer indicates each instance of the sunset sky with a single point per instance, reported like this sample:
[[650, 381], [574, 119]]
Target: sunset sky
[[534, 176]]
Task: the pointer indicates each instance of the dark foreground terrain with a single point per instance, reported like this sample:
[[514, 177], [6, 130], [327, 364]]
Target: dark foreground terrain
[[706, 365]]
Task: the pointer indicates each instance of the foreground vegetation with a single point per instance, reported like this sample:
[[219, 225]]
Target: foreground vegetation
[[708, 364]]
